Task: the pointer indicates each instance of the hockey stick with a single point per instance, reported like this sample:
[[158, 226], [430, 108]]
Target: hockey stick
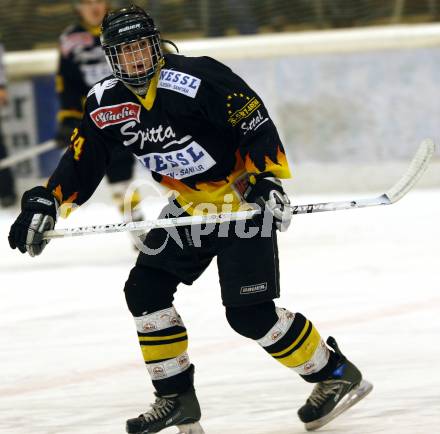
[[29, 153], [415, 170]]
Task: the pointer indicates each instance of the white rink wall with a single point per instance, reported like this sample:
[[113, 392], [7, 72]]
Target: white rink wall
[[350, 107]]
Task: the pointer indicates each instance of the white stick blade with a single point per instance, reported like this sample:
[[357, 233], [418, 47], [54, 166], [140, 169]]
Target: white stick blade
[[416, 169]]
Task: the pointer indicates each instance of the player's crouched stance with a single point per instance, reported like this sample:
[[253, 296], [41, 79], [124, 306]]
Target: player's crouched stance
[[292, 339], [211, 110]]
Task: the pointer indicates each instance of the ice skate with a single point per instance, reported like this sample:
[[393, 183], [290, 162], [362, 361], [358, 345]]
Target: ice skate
[[332, 397], [181, 410]]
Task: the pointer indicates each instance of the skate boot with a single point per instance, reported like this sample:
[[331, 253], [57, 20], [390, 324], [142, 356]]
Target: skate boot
[[329, 398], [181, 410]]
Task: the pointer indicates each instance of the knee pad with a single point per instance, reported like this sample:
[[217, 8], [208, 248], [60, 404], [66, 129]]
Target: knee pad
[[252, 321], [149, 290]]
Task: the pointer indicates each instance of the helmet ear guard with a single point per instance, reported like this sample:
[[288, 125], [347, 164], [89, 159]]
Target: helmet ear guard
[[132, 45]]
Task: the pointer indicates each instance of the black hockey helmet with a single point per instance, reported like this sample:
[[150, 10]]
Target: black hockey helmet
[[132, 44]]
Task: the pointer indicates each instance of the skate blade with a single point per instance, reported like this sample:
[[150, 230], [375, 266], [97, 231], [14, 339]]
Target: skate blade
[[352, 397], [191, 428]]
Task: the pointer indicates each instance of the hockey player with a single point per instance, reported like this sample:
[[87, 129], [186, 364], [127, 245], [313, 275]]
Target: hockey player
[[82, 63], [204, 133]]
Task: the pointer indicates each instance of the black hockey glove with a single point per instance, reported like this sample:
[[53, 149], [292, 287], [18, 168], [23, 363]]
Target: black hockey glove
[[65, 130], [38, 214], [267, 193]]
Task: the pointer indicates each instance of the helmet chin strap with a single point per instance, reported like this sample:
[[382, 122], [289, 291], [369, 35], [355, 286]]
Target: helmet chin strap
[[139, 90]]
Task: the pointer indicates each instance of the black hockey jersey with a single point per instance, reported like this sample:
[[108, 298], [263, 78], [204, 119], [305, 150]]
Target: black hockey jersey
[[200, 130], [81, 64]]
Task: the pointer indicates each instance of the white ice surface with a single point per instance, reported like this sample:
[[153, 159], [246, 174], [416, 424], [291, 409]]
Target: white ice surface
[[70, 362]]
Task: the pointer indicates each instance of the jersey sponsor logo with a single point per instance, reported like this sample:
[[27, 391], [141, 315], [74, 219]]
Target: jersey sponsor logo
[[99, 88], [179, 82], [115, 114], [186, 162], [254, 123], [177, 142], [245, 111], [153, 135], [251, 289]]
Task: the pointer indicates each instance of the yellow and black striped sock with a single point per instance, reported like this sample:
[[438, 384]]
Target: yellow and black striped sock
[[294, 342], [164, 343]]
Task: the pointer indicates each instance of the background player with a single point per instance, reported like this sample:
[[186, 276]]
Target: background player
[[81, 64], [7, 187], [205, 134]]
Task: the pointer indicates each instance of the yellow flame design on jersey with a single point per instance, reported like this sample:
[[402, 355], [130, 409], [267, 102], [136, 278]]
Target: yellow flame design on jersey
[[67, 205], [221, 196]]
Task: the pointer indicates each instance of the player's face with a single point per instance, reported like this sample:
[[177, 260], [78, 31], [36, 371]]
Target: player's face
[[135, 58], [92, 12]]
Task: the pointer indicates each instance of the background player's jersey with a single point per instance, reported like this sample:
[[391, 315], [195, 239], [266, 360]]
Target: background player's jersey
[[82, 63], [200, 130]]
